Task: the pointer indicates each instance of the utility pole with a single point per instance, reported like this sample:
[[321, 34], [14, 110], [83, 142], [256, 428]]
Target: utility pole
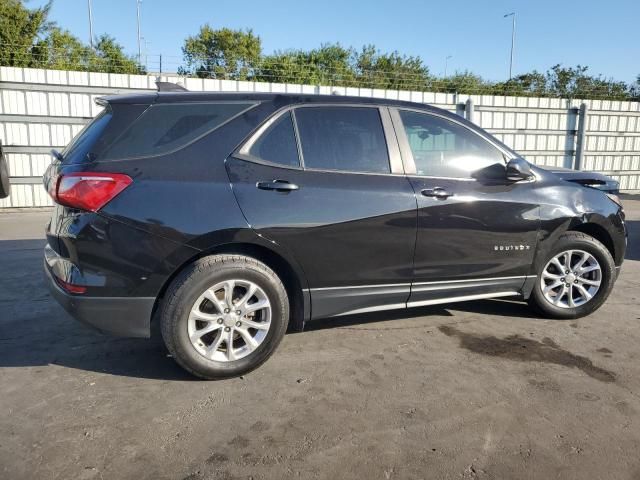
[[446, 61], [138, 2], [513, 40], [90, 24]]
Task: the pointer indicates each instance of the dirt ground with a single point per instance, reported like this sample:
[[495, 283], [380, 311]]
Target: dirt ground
[[475, 390]]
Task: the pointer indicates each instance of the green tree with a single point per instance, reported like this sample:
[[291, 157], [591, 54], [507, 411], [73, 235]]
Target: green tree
[[390, 70], [109, 57], [20, 29], [327, 65], [60, 50], [223, 53]]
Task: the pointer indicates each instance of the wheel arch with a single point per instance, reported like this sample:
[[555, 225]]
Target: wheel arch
[[292, 277], [598, 232]]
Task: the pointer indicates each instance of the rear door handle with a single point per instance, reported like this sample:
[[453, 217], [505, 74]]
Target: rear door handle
[[277, 185], [437, 192]]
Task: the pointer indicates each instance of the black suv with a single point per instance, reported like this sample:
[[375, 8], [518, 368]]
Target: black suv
[[230, 217]]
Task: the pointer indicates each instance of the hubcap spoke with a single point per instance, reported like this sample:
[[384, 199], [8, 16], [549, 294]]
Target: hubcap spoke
[[251, 342], [229, 342], [583, 291], [254, 307], [198, 334], [256, 325], [228, 293], [211, 296], [247, 296]]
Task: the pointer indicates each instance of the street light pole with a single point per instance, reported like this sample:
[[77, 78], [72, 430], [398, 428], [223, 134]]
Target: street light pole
[[446, 61], [513, 40], [138, 2], [90, 24]]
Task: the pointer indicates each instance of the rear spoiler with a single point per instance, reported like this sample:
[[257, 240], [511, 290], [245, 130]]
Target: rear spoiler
[[170, 87]]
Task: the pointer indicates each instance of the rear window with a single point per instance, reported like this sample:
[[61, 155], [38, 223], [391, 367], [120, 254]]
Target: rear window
[[87, 137], [167, 127]]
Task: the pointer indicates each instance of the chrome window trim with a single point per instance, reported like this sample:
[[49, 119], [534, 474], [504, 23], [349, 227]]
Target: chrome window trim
[[396, 167]]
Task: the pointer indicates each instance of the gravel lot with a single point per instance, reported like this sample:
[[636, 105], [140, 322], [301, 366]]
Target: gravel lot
[[477, 390]]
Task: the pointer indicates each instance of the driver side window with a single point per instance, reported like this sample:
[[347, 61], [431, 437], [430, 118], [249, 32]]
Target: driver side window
[[442, 148]]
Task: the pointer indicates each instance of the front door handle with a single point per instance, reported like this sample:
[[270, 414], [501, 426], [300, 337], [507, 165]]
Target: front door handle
[[437, 192], [277, 185]]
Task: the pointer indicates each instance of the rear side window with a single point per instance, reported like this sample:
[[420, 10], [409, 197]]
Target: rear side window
[[343, 138], [278, 143], [167, 127], [442, 148]]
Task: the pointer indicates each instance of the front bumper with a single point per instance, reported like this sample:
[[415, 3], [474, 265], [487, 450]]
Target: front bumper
[[121, 316]]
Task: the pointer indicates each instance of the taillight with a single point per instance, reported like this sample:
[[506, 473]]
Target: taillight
[[87, 190]]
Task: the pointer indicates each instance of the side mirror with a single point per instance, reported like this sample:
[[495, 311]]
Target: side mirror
[[518, 169]]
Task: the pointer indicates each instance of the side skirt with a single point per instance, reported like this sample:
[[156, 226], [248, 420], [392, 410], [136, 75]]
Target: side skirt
[[352, 300]]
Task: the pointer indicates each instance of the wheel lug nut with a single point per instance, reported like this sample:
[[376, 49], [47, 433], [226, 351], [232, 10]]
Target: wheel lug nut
[[562, 279], [238, 312], [219, 320], [226, 329], [568, 285], [238, 324], [226, 310], [567, 272], [575, 281]]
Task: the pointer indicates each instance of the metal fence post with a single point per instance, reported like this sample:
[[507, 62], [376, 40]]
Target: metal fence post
[[582, 126], [469, 110]]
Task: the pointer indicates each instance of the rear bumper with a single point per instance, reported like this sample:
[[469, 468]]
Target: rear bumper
[[121, 316]]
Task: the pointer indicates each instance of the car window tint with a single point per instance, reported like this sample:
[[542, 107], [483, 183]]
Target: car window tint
[[278, 143], [342, 138], [442, 148], [80, 146], [167, 127]]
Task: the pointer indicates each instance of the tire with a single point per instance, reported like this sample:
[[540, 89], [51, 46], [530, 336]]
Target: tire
[[191, 306], [551, 305]]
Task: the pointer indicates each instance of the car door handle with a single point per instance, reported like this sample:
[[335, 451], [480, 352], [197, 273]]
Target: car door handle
[[277, 185], [437, 192]]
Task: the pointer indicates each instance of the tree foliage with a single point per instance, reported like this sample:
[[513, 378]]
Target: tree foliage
[[223, 53], [29, 39], [236, 54]]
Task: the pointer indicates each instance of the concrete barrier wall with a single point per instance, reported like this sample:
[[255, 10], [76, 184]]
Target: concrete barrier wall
[[44, 109]]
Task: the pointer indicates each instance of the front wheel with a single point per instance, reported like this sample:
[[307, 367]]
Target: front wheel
[[224, 316], [576, 279]]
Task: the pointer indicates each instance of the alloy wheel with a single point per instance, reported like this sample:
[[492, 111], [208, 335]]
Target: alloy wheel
[[229, 320], [571, 279]]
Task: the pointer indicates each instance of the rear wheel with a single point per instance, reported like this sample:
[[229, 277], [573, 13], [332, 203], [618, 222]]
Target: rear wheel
[[224, 316], [576, 279]]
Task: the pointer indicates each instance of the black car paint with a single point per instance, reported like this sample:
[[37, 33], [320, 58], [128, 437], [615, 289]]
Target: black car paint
[[350, 242]]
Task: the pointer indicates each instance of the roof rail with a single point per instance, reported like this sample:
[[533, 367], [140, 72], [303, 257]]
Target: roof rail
[[170, 87]]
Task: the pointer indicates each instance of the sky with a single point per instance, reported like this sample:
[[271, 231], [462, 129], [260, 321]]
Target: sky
[[603, 36]]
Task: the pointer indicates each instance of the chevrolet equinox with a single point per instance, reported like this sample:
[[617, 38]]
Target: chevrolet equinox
[[232, 217]]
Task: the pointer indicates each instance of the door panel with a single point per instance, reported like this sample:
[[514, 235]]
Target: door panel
[[477, 231], [345, 229]]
